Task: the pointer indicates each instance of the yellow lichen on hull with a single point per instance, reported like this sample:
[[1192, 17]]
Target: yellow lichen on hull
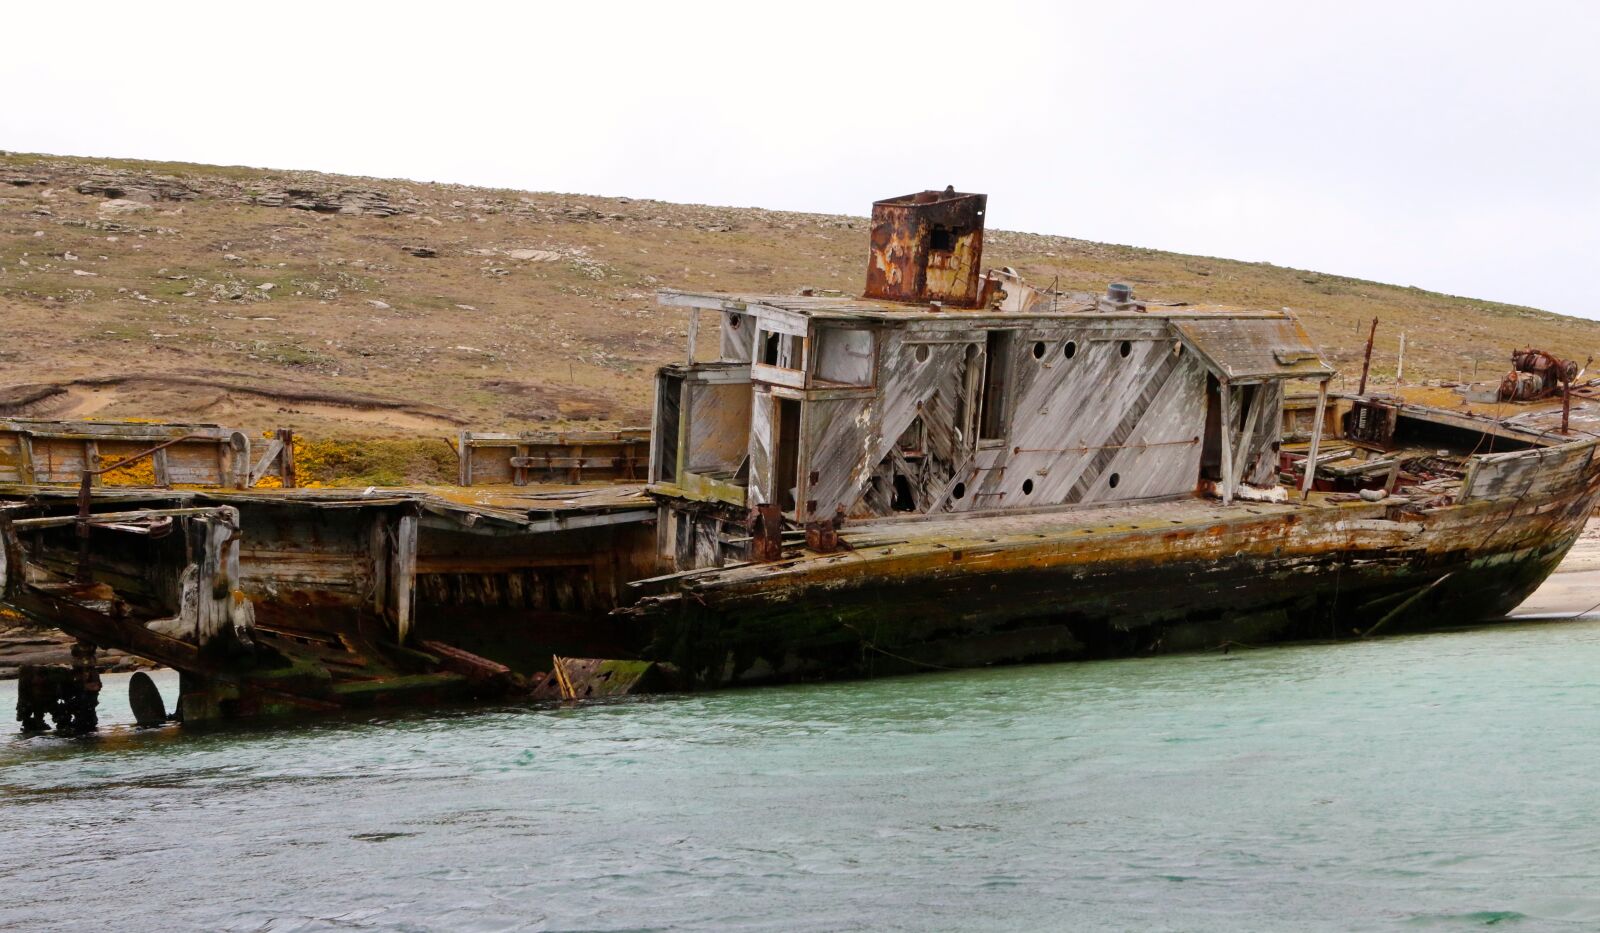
[[141, 472]]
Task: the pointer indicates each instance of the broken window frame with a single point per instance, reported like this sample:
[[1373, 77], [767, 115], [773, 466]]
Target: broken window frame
[[792, 347]]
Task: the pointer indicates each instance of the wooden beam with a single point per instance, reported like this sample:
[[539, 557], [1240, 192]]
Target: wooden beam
[[1225, 427], [1316, 440], [163, 470], [274, 448], [404, 576], [1247, 432], [97, 518], [25, 461], [464, 465], [286, 471]]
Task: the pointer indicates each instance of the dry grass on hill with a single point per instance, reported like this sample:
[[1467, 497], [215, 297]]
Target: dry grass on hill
[[356, 307]]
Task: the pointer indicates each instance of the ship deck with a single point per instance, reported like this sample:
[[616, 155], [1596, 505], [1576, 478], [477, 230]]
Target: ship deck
[[534, 507]]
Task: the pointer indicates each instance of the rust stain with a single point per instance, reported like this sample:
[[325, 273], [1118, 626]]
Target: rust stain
[[927, 247]]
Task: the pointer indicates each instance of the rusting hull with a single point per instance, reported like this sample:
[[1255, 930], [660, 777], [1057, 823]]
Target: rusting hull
[[1271, 575]]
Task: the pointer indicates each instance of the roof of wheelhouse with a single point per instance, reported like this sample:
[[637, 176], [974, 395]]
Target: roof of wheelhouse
[[1238, 344], [845, 307]]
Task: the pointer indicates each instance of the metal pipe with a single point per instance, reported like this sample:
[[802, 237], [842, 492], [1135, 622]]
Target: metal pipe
[[1058, 450]]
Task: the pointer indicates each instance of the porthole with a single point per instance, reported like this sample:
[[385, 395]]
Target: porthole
[[1038, 350], [1127, 347], [1115, 479], [1070, 350], [922, 353], [959, 491], [1027, 487]]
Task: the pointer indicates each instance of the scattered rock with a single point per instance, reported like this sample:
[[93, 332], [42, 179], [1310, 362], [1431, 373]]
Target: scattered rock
[[122, 206], [533, 255], [380, 305], [421, 252]]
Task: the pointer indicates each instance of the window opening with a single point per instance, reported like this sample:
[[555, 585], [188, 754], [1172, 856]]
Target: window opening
[[1038, 350], [942, 239], [787, 473], [1070, 350], [669, 401], [911, 439], [992, 403], [1127, 347], [903, 500], [777, 349]]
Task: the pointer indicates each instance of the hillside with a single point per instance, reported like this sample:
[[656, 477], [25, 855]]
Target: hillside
[[348, 307]]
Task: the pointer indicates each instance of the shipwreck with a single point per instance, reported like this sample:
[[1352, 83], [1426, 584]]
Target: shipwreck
[[953, 469]]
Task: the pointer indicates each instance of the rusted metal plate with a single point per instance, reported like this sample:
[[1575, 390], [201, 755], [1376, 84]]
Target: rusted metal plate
[[927, 247]]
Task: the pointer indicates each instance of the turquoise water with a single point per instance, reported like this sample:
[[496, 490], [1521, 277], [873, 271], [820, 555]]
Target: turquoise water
[[1444, 781]]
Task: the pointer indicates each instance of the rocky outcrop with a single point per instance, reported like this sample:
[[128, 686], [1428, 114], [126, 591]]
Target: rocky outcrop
[[333, 201], [137, 187]]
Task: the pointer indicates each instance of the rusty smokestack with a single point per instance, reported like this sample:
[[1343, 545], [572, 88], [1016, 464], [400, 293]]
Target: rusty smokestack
[[927, 247]]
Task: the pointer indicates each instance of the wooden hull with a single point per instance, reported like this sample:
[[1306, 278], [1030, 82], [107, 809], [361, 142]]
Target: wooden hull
[[1146, 579]]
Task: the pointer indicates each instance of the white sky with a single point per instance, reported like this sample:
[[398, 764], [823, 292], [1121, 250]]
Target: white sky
[[1452, 146]]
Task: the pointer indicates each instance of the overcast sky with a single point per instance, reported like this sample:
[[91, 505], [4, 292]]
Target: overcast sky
[[1451, 146]]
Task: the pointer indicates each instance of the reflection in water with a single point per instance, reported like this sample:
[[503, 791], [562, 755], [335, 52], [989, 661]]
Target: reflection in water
[[1435, 781]]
